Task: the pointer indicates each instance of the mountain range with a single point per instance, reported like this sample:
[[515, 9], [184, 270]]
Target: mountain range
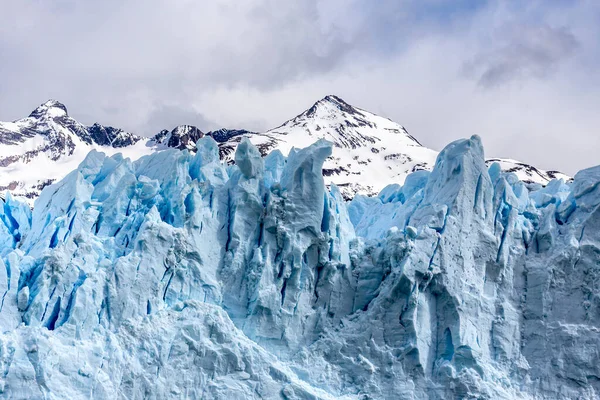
[[369, 151]]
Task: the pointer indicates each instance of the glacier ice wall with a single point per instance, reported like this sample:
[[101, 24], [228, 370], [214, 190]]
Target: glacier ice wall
[[177, 277]]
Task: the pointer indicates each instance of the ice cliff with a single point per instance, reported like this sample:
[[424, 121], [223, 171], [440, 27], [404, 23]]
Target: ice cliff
[[176, 276]]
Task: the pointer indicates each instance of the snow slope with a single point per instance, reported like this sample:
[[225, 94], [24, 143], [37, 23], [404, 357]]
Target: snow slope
[[369, 151], [175, 276]]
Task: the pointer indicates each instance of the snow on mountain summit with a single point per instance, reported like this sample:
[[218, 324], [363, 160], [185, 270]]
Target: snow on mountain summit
[[345, 125], [51, 108]]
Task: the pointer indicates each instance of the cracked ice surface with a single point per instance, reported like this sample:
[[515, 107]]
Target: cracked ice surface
[[177, 277]]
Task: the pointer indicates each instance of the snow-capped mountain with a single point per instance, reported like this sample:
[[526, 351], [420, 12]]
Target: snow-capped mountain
[[37, 150], [42, 148], [369, 151]]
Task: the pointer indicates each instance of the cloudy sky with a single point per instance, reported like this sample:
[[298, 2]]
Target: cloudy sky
[[524, 75]]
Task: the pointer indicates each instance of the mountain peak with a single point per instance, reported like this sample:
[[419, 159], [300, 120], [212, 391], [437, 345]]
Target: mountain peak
[[51, 108], [332, 98], [330, 103], [338, 102]]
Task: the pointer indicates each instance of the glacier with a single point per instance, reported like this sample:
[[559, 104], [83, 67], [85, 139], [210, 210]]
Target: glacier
[[176, 276]]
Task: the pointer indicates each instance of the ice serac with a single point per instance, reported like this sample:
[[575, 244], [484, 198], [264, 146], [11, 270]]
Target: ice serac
[[495, 286], [283, 247], [175, 276]]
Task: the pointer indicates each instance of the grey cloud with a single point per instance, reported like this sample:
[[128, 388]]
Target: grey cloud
[[116, 61], [527, 52], [260, 43], [168, 117]]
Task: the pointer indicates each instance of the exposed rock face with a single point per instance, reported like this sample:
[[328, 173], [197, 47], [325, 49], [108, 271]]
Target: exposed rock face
[[109, 136], [182, 137], [223, 135], [177, 276]]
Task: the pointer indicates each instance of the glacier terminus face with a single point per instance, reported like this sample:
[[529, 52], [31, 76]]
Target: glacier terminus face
[[179, 276]]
